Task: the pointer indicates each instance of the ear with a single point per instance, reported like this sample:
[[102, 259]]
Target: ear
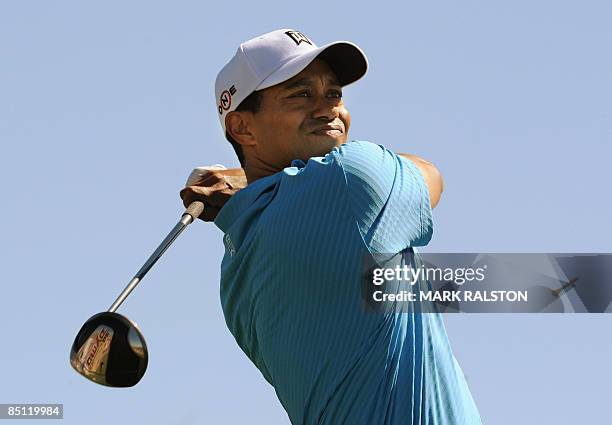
[[239, 125]]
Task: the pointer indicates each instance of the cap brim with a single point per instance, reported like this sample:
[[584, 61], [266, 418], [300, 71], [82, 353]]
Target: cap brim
[[347, 60]]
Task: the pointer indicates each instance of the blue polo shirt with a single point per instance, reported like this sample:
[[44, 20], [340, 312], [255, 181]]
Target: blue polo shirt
[[291, 292]]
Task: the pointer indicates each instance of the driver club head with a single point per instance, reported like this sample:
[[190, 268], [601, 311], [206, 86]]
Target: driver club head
[[110, 350]]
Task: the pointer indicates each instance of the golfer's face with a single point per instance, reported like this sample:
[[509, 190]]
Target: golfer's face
[[302, 117]]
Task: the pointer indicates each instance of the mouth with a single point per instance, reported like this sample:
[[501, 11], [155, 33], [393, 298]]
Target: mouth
[[328, 130]]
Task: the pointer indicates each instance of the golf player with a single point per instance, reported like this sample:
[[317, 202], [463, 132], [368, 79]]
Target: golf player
[[299, 217]]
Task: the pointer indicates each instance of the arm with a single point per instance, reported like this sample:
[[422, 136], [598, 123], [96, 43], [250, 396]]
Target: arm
[[431, 175], [389, 196], [217, 186]]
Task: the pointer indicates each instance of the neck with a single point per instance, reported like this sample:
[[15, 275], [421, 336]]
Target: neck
[[255, 169]]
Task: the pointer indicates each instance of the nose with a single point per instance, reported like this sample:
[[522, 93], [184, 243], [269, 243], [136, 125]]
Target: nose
[[325, 108]]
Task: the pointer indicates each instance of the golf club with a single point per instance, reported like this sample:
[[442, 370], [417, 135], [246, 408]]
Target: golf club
[[110, 349], [544, 299]]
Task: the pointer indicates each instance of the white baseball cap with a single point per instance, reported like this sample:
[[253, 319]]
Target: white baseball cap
[[277, 56]]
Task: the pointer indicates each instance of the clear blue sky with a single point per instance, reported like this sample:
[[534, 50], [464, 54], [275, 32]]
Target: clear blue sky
[[106, 107]]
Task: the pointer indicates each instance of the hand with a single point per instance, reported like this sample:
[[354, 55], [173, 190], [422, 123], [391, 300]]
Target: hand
[[214, 187]]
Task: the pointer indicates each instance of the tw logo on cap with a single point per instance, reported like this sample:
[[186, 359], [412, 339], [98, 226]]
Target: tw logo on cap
[[298, 37], [225, 100]]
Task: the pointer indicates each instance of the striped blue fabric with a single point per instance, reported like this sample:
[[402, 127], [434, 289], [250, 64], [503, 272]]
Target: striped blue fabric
[[291, 292]]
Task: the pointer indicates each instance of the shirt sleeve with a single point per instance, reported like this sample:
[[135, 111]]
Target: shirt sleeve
[[388, 196]]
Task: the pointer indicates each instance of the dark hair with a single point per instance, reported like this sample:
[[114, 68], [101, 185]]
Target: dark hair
[[251, 103]]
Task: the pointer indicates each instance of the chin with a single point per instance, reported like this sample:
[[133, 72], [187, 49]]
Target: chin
[[323, 145]]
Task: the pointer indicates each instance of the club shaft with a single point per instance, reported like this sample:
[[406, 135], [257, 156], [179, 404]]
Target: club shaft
[[186, 219], [557, 292]]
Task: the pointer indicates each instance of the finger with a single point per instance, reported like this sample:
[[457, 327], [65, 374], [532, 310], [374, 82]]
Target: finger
[[210, 213], [219, 197], [209, 179], [203, 193], [211, 196], [188, 196], [215, 196]]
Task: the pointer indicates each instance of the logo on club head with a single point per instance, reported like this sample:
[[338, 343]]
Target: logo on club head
[[94, 352], [298, 37], [225, 100]]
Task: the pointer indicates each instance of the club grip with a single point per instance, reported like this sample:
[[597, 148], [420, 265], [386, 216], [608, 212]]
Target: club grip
[[194, 209]]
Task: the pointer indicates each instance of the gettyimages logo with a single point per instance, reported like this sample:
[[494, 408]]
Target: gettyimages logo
[[489, 283]]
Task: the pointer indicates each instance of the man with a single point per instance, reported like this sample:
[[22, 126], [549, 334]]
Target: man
[[299, 218]]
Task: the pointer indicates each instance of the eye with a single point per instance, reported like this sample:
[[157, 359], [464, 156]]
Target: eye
[[303, 93], [335, 94]]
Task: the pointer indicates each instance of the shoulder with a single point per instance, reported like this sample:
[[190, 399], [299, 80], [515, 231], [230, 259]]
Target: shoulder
[[367, 166], [355, 156], [360, 150], [355, 150], [355, 162]]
